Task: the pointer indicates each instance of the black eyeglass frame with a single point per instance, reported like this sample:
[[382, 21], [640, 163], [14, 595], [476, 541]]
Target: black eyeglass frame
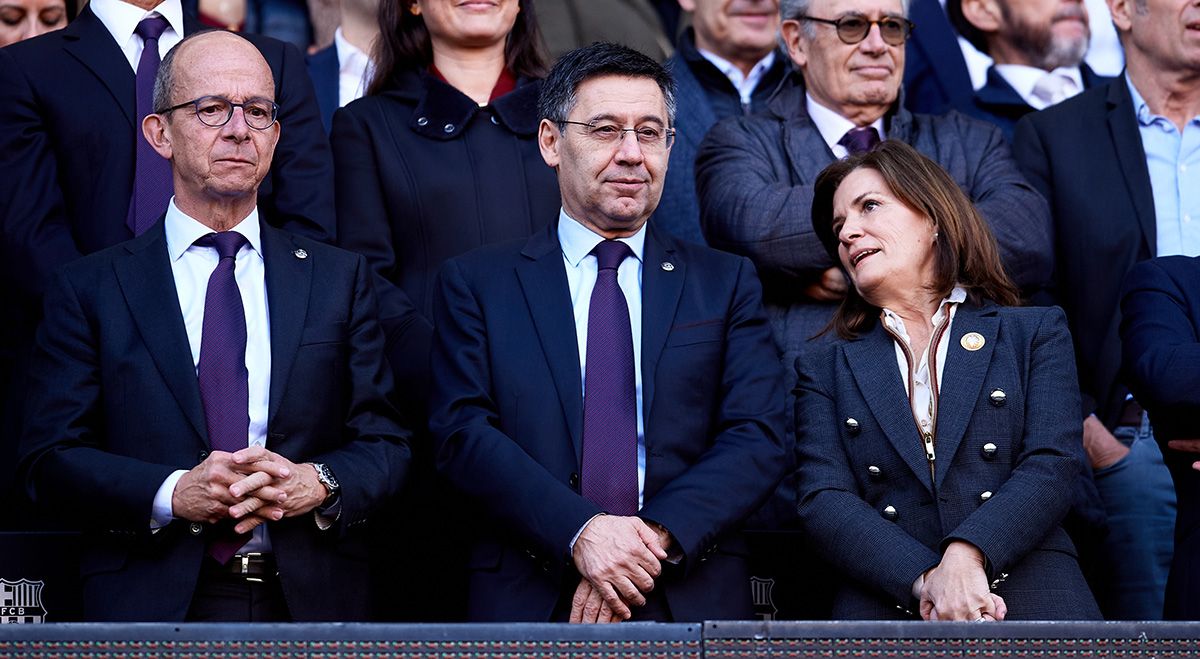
[[908, 27], [668, 133], [195, 103]]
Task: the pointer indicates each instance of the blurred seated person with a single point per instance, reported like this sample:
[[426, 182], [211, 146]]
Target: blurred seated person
[[1160, 338], [22, 19], [947, 506]]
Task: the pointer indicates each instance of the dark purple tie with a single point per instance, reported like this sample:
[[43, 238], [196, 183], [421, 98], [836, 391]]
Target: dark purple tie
[[860, 140], [609, 471], [224, 387], [152, 185]]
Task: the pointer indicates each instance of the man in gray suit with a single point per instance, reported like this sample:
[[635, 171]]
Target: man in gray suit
[[755, 174]]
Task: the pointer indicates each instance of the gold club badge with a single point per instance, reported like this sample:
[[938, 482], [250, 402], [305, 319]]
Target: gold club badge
[[972, 341]]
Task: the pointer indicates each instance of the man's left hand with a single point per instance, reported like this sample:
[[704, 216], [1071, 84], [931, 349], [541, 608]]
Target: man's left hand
[[275, 486], [588, 606]]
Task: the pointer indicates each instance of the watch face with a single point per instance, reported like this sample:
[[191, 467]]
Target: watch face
[[327, 477]]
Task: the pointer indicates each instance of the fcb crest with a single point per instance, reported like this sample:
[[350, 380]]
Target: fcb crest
[[764, 600], [21, 601]]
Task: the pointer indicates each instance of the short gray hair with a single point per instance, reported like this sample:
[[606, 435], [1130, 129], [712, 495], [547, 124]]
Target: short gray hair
[[793, 9]]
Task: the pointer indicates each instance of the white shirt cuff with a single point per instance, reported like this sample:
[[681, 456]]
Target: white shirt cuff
[[571, 547], [163, 512]]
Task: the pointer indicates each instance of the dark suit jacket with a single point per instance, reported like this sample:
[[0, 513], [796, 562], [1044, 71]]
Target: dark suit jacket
[[936, 78], [323, 69], [1000, 104], [507, 418], [1160, 333], [1085, 156], [114, 408], [1026, 356]]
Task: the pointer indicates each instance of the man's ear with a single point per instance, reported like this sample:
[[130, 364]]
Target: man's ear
[[1122, 13], [549, 141], [792, 38], [158, 134], [687, 5], [985, 15]]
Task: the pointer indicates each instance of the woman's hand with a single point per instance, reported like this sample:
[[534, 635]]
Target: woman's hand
[[957, 589]]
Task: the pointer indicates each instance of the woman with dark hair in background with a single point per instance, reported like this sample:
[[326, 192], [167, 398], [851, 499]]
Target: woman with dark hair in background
[[22, 19], [439, 158], [938, 441]]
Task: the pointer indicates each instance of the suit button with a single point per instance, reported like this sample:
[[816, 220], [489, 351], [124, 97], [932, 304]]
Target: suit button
[[890, 514], [998, 397], [448, 128], [985, 495], [422, 121], [989, 451], [203, 455], [194, 528], [495, 120], [875, 472], [546, 566], [852, 425], [573, 481]]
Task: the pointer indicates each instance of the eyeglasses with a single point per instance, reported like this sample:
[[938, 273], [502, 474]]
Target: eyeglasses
[[609, 134], [216, 111], [853, 29]]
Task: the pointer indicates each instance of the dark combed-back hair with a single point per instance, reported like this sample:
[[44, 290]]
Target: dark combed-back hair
[[965, 252], [404, 44], [964, 27], [599, 59]]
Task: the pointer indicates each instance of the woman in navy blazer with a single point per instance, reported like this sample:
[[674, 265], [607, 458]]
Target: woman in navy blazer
[[937, 440]]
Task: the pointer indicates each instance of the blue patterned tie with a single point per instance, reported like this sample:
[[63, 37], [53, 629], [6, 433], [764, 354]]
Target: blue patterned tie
[[152, 184], [609, 472], [860, 140], [224, 383]]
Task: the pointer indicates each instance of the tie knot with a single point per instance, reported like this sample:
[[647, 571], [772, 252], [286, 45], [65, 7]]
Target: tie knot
[[227, 243], [610, 254], [1054, 88], [860, 140], [150, 28]]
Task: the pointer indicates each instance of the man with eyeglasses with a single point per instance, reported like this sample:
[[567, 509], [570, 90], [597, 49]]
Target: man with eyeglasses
[[209, 400], [755, 174], [608, 395]]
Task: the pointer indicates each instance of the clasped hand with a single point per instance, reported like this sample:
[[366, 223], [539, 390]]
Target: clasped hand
[[619, 559], [957, 589], [252, 486]]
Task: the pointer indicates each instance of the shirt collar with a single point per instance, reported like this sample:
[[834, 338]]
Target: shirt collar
[[577, 241], [957, 296], [731, 71], [351, 58], [1024, 78], [182, 230], [832, 125], [122, 18]]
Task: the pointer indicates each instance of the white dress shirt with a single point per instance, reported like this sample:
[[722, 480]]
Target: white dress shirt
[[577, 241], [834, 126], [191, 267], [122, 18], [1024, 79], [744, 84], [354, 69]]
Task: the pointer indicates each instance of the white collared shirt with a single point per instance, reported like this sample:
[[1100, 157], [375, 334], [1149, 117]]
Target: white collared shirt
[[122, 18], [354, 69], [577, 242], [1024, 78], [834, 126], [744, 84], [191, 267]]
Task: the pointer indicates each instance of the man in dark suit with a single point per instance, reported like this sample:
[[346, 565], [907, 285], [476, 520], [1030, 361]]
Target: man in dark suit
[[1037, 50], [341, 72], [1160, 340], [727, 65], [608, 485], [216, 419], [937, 77], [1121, 190], [69, 127]]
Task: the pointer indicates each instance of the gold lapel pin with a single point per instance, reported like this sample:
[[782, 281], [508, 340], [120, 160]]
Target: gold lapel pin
[[668, 266], [300, 254], [972, 341]]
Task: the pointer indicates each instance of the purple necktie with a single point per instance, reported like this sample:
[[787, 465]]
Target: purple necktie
[[152, 185], [860, 140], [224, 387], [609, 474]]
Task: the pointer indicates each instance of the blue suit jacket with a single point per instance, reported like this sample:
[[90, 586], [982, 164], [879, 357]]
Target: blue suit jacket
[[1016, 392], [114, 408], [936, 78], [1000, 104], [323, 69], [1160, 333], [507, 419], [678, 212]]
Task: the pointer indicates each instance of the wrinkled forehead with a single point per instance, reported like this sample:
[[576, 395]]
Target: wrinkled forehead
[[872, 8], [222, 64], [621, 98]]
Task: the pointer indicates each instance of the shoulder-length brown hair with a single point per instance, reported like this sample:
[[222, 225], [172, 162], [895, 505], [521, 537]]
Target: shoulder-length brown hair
[[965, 251], [404, 44]]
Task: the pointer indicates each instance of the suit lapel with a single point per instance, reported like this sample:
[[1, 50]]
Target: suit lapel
[[289, 279], [543, 280], [146, 281], [807, 151], [872, 361], [1131, 155], [88, 41], [962, 379], [661, 290], [940, 42]]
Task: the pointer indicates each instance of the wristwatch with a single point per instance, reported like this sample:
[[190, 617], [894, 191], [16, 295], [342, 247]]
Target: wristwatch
[[329, 481]]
